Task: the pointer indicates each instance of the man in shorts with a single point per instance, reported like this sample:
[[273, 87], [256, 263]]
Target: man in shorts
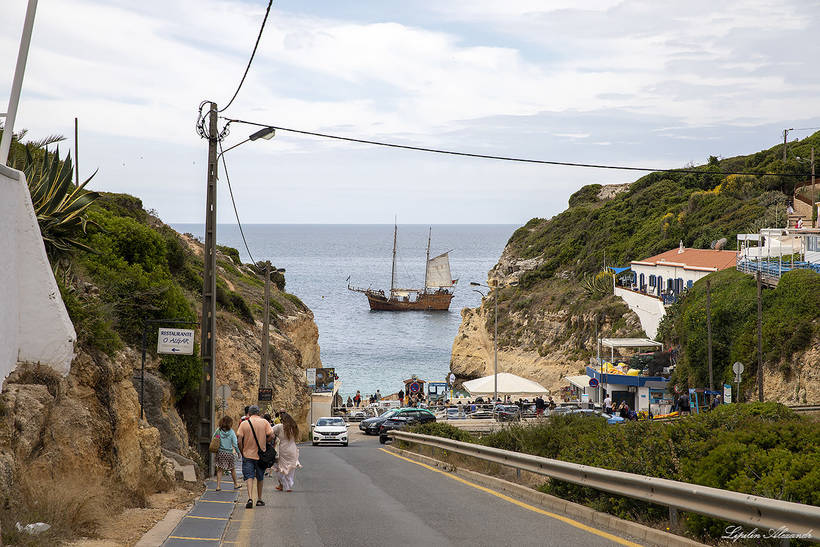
[[251, 470]]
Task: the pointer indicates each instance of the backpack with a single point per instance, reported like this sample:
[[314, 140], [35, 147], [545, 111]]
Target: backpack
[[267, 457]]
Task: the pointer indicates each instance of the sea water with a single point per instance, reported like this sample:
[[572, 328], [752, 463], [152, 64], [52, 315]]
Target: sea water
[[373, 350]]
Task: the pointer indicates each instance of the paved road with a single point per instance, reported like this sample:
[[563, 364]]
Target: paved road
[[362, 495]]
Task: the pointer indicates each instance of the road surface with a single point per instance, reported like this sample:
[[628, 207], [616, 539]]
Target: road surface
[[363, 495]]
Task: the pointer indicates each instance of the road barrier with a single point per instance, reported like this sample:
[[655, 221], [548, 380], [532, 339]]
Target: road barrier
[[736, 507]]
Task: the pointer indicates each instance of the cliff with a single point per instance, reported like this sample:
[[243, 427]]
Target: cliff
[[554, 293], [81, 435]]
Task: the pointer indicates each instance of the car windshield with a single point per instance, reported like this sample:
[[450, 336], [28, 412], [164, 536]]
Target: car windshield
[[388, 414], [330, 421]]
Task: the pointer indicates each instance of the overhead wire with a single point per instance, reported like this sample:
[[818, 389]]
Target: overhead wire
[[253, 53], [501, 158], [236, 212]]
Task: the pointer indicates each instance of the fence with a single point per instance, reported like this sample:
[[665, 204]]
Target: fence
[[756, 511]]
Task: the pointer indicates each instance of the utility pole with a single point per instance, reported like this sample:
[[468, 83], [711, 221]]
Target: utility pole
[[208, 329], [759, 340], [709, 331], [813, 194], [785, 141], [17, 81], [263, 373], [495, 347]]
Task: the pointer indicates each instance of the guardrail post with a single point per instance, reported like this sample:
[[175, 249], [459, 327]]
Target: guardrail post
[[674, 518]]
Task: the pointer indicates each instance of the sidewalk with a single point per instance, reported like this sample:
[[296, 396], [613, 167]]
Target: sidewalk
[[206, 521]]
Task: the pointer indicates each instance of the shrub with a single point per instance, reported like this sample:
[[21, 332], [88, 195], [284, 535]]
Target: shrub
[[447, 431], [183, 371]]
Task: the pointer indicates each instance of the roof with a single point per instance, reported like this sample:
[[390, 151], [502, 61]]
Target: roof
[[630, 343], [692, 259], [578, 381]]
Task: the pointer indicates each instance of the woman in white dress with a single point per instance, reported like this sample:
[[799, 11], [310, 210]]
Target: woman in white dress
[[288, 462]]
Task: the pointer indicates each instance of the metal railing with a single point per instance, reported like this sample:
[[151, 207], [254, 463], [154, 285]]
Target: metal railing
[[756, 511]]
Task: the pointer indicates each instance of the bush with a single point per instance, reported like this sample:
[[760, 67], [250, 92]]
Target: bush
[[183, 371], [759, 448], [446, 431]]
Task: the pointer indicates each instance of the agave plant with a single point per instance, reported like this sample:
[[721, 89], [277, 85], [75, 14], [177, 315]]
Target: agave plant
[[600, 284], [59, 203]]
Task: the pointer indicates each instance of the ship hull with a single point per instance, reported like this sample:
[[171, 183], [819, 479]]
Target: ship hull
[[424, 302]]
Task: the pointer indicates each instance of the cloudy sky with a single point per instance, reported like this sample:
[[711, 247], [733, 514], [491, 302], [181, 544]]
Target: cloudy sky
[[641, 83]]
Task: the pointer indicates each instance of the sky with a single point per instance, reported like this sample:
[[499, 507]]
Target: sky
[[635, 83]]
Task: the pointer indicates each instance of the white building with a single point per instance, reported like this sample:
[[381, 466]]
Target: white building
[[658, 280]]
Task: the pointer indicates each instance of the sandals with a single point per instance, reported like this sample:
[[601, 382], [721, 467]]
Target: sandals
[[249, 505], [260, 503], [218, 489], [237, 486], [279, 487]]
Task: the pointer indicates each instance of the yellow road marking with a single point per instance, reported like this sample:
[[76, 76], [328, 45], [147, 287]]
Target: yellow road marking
[[193, 539], [562, 518], [244, 534], [214, 501], [206, 518]]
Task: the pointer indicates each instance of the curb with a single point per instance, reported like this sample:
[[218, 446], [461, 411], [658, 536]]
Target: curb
[[558, 505], [162, 529], [205, 522]]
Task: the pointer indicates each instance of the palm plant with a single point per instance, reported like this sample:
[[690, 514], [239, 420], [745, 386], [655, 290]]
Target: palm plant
[[59, 204], [600, 284]]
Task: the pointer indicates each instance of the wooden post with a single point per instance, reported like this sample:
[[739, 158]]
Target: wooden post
[[263, 373]]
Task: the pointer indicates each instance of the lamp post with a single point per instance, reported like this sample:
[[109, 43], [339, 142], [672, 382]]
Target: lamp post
[[495, 336]]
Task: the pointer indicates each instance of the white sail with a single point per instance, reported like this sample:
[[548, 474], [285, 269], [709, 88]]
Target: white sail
[[438, 272]]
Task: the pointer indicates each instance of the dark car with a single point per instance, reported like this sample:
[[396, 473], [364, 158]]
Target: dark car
[[371, 426], [405, 418], [507, 413]]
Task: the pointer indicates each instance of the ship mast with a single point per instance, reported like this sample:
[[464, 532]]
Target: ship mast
[[429, 235], [393, 272]]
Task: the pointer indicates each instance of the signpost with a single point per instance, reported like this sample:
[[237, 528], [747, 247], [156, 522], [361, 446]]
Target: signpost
[[175, 341], [738, 370], [175, 347], [265, 394], [727, 393], [310, 375]]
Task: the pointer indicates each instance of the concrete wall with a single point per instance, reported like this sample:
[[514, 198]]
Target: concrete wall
[[650, 310], [34, 324]]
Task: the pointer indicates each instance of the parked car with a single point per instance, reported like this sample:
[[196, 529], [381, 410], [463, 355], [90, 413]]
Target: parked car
[[610, 418], [370, 426], [507, 413], [404, 419], [329, 430]]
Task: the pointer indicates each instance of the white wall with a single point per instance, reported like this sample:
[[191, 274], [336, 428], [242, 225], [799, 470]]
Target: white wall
[[667, 272], [650, 310], [34, 324]]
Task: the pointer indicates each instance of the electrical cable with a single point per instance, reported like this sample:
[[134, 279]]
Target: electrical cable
[[236, 212], [505, 158], [253, 53]]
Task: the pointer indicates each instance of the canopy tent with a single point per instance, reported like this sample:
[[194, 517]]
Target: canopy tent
[[581, 382], [507, 384], [620, 270]]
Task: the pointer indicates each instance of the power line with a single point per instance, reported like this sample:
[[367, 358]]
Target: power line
[[230, 190], [253, 53], [805, 128], [503, 158]]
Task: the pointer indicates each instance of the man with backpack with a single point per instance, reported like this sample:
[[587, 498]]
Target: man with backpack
[[252, 436]]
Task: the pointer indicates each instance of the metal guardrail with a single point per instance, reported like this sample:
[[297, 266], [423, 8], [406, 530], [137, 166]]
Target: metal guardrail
[[756, 511], [805, 408]]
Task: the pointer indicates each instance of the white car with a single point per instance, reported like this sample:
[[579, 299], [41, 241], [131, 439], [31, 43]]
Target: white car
[[329, 430]]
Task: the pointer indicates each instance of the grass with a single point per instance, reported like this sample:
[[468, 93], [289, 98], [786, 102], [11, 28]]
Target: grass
[[73, 505]]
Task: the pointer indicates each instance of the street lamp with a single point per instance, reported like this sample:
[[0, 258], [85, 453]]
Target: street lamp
[[495, 337], [266, 133]]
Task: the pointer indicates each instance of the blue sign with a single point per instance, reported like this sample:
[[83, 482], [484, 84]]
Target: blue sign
[[593, 382]]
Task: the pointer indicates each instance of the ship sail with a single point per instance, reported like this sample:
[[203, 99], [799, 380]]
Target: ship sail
[[438, 272]]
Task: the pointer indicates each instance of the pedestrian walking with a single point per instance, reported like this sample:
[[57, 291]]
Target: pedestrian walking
[[539, 406], [401, 397], [288, 433], [551, 404], [252, 435], [684, 404], [608, 404], [227, 447], [378, 396], [357, 398]]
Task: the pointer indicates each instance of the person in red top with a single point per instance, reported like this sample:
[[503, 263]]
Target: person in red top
[[250, 453]]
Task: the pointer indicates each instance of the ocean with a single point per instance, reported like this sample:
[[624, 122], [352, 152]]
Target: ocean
[[369, 349]]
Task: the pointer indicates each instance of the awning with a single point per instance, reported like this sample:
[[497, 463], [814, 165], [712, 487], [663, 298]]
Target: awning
[[620, 270], [578, 381], [630, 343]]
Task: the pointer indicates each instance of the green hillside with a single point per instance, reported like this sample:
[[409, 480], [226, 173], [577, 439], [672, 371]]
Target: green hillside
[[655, 214]]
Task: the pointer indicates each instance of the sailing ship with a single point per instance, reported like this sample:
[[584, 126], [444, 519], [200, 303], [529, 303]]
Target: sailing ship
[[435, 295]]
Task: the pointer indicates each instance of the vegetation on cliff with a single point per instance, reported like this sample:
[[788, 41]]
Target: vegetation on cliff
[[763, 449], [565, 255]]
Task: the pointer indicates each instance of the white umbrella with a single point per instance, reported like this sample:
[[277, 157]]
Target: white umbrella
[[507, 384]]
